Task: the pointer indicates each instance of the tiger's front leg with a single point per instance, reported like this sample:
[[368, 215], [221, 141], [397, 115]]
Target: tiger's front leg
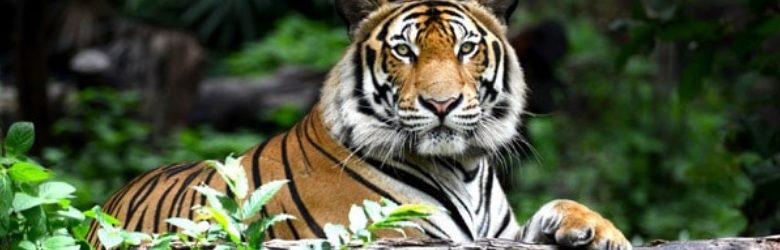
[[568, 223]]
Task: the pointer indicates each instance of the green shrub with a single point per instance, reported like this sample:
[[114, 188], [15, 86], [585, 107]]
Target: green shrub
[[649, 154], [111, 146], [295, 40]]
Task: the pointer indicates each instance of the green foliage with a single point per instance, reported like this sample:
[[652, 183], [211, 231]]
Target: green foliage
[[109, 145], [295, 40], [34, 213], [20, 138], [112, 237], [652, 153], [220, 24], [221, 221], [384, 215]]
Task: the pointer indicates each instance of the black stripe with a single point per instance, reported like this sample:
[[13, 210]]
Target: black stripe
[[307, 163], [182, 190], [157, 211], [432, 4], [207, 182], [112, 205], [296, 197], [137, 199], [439, 185], [256, 178], [499, 56], [120, 195], [358, 62], [481, 185], [176, 169], [139, 225], [500, 110], [487, 198], [258, 181], [351, 172], [504, 224], [271, 233], [421, 185], [292, 228], [506, 73], [192, 202], [437, 229]]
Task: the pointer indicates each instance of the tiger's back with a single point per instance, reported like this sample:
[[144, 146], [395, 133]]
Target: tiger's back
[[321, 189]]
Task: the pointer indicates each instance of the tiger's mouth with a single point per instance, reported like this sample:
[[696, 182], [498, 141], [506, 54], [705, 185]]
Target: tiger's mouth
[[442, 141]]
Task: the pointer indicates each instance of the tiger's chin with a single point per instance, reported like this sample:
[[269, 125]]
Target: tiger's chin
[[442, 143]]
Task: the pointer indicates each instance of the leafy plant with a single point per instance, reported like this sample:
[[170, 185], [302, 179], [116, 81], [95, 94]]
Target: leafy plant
[[107, 144], [644, 145], [219, 24], [34, 214], [295, 40], [384, 215], [222, 220]]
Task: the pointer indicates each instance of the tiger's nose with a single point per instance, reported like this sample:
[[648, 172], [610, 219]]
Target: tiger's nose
[[441, 106]]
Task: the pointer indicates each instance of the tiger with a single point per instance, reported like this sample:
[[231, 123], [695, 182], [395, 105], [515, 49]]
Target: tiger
[[420, 102]]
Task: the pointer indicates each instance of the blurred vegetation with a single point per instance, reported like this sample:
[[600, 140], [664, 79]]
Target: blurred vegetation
[[666, 148], [108, 145], [653, 150], [295, 40]]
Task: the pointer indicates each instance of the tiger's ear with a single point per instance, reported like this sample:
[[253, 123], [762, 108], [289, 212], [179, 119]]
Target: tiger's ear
[[354, 11], [502, 9]]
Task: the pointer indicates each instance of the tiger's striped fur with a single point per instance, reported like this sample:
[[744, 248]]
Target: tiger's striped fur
[[426, 93]]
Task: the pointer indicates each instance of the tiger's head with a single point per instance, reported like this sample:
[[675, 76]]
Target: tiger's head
[[426, 77]]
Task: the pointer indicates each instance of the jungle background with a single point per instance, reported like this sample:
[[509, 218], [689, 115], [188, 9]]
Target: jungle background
[[661, 114]]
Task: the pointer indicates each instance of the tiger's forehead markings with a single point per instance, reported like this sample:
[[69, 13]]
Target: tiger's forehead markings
[[432, 10]]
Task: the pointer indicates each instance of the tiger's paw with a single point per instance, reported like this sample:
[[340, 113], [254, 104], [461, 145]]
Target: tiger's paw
[[570, 224]]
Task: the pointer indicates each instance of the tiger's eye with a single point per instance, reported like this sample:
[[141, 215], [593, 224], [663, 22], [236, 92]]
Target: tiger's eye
[[403, 50], [467, 48]]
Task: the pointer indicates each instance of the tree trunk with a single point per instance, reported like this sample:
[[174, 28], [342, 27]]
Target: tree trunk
[[31, 72]]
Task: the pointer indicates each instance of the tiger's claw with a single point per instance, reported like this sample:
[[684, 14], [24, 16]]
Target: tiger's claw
[[568, 223]]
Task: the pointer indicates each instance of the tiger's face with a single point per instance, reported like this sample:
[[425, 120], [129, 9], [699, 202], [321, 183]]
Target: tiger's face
[[433, 78]]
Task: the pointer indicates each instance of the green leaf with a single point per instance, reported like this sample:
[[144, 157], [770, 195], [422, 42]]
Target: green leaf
[[54, 191], [373, 209], [227, 224], [60, 242], [109, 238], [230, 206], [357, 219], [73, 213], [336, 234], [24, 201], [190, 227], [233, 174], [105, 220], [36, 222], [260, 197], [697, 68], [20, 138], [255, 235], [135, 238], [397, 225], [28, 172], [162, 243], [6, 196], [411, 211], [256, 231], [80, 231], [26, 245], [212, 195]]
